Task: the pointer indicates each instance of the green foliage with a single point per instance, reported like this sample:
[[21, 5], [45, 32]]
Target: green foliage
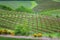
[[5, 7], [18, 30], [24, 9], [21, 30], [15, 4]]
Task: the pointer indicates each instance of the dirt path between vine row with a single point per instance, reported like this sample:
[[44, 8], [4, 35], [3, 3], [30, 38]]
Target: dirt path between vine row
[[30, 37]]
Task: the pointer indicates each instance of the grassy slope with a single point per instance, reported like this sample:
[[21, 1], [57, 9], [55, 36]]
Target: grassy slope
[[16, 4]]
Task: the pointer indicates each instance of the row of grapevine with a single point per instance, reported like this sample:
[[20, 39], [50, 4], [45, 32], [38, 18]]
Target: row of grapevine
[[35, 23]]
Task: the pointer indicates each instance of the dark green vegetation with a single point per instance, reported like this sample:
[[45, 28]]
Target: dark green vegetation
[[16, 4], [22, 30], [20, 9], [24, 9], [5, 7]]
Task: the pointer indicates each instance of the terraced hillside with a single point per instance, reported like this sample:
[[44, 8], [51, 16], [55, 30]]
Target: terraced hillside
[[36, 22]]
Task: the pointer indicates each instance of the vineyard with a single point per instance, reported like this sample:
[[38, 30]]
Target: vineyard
[[31, 23]]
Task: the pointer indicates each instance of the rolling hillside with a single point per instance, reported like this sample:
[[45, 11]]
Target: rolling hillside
[[16, 4]]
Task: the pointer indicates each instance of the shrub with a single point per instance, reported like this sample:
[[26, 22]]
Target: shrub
[[37, 35], [5, 7], [21, 30], [0, 31], [12, 33], [24, 9], [4, 31]]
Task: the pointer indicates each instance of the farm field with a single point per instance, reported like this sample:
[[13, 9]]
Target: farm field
[[36, 22], [18, 21]]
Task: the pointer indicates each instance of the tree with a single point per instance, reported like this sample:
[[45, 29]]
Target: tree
[[5, 7], [24, 9]]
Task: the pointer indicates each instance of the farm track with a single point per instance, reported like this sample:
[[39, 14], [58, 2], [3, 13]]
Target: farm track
[[30, 37]]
